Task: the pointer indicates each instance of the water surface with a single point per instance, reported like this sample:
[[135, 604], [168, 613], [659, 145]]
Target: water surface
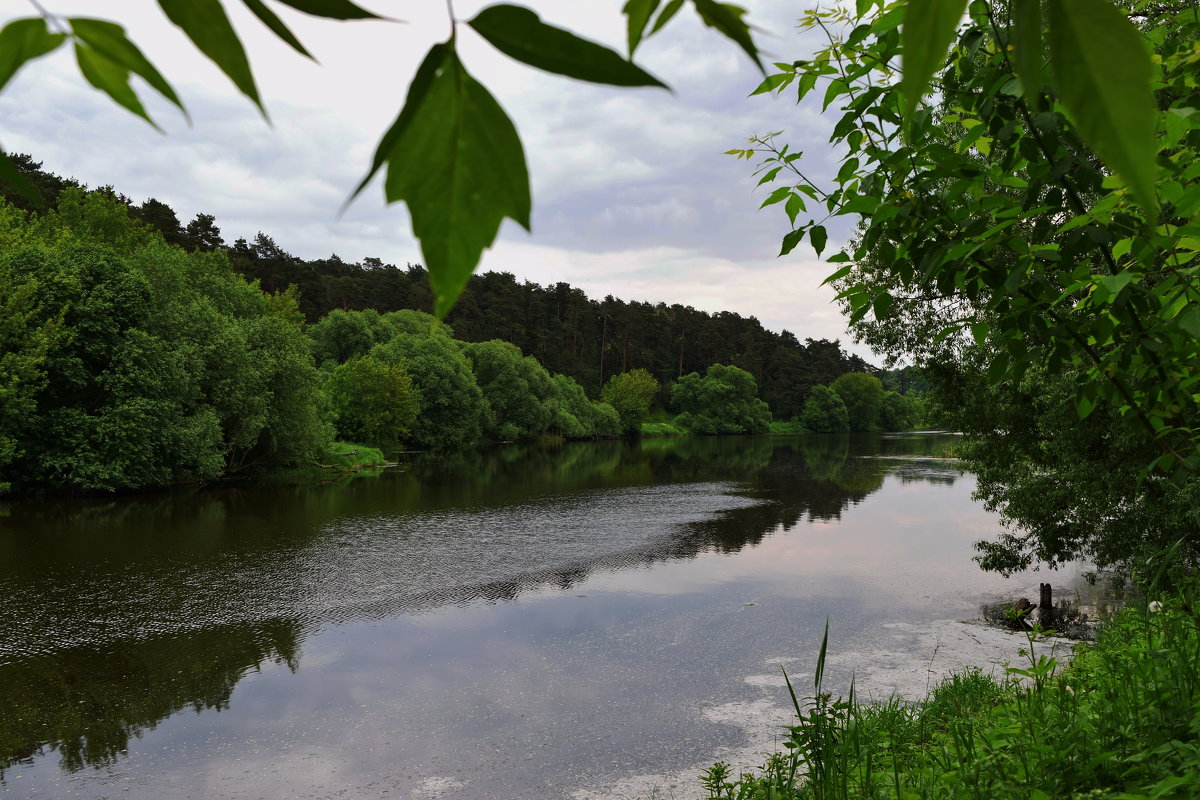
[[512, 623]]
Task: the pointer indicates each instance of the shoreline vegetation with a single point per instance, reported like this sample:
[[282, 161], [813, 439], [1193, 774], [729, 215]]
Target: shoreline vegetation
[[140, 353], [1116, 720]]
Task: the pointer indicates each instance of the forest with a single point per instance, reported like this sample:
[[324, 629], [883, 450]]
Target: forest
[[143, 352]]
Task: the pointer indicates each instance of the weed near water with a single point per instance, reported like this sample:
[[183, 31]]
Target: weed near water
[[1122, 721]]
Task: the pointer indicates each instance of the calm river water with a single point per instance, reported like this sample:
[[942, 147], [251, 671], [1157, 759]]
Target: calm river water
[[509, 623]]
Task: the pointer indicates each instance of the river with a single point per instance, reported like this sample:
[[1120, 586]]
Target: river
[[583, 621]]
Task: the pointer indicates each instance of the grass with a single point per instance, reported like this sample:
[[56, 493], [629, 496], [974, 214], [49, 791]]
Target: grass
[[1121, 721], [348, 456], [663, 428], [783, 427]]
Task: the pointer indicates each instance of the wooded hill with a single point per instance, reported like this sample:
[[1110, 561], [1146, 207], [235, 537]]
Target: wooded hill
[[568, 332]]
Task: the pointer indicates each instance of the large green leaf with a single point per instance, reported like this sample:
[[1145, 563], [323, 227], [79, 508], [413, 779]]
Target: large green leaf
[[108, 39], [205, 23], [331, 9], [638, 13], [269, 18], [417, 90], [669, 11], [727, 18], [17, 179], [23, 40], [109, 77], [455, 159], [1103, 72], [1029, 50], [519, 33], [928, 30]]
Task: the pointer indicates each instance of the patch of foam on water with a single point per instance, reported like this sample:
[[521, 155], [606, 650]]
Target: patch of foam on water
[[436, 786], [911, 659]]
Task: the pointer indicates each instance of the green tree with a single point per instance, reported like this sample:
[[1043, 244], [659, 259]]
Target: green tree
[[575, 416], [374, 402], [452, 406], [899, 412], [1069, 488], [136, 364], [1009, 229], [417, 323], [862, 395], [723, 400], [341, 335], [824, 411], [630, 394], [517, 389]]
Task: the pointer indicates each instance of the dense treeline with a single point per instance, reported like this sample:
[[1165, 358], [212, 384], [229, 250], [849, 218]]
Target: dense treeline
[[126, 362], [565, 330], [135, 355]]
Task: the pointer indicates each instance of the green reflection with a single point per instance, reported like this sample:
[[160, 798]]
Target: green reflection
[[86, 704], [267, 558]]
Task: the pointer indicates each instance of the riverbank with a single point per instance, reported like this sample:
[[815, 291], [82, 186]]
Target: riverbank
[[998, 715], [906, 662]]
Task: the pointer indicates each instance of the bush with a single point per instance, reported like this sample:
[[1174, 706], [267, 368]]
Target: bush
[[724, 400], [824, 412]]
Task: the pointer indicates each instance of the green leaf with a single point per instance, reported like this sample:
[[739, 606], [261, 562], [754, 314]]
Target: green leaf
[[928, 30], [1102, 73], [417, 91], [776, 196], [664, 16], [1028, 49], [23, 40], [1084, 406], [773, 82], [272, 21], [882, 305], [19, 181], [979, 332], [791, 240], [793, 207], [331, 9], [1190, 322], [109, 40], [519, 33], [455, 159], [727, 18], [638, 13], [205, 23], [837, 276], [817, 237], [109, 77]]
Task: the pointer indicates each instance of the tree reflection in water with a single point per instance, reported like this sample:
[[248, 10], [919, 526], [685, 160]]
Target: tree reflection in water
[[196, 589]]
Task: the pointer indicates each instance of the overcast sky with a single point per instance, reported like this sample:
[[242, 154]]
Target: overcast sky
[[631, 193]]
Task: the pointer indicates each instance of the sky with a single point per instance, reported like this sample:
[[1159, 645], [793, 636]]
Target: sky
[[632, 195]]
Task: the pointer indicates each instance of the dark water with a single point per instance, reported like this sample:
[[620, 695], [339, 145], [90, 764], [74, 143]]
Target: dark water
[[512, 623]]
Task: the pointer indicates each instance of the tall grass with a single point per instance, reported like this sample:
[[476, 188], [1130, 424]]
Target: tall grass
[[1121, 721]]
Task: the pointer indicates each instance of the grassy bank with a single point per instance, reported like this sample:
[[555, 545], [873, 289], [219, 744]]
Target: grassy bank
[[340, 459], [1122, 721], [346, 456]]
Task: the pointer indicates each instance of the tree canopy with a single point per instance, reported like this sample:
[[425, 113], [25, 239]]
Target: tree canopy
[[723, 400], [1024, 224]]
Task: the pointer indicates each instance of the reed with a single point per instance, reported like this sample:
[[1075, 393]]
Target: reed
[[1121, 721]]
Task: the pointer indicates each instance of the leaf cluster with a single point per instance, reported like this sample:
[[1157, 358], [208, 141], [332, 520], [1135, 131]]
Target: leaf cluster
[[1045, 216]]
